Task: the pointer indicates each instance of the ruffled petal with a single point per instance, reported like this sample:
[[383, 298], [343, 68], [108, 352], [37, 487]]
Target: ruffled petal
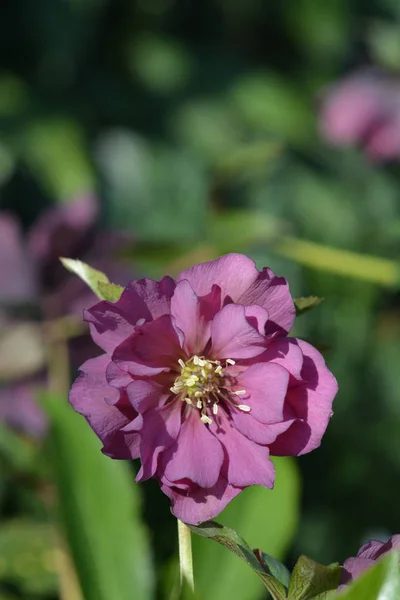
[[233, 273], [102, 407], [158, 430], [146, 395], [200, 504], [311, 402], [272, 293], [197, 455], [112, 322], [266, 386], [354, 567], [248, 463], [260, 433], [151, 349], [185, 308], [156, 295], [233, 336], [286, 352]]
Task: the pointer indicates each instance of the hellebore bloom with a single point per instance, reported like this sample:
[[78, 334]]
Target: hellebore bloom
[[200, 381], [367, 556], [364, 109]]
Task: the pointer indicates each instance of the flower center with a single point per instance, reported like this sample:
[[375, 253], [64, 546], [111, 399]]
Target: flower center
[[203, 383]]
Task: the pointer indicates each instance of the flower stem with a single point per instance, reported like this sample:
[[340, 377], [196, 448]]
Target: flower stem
[[185, 555]]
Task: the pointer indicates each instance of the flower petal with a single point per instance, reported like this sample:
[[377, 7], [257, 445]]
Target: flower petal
[[200, 504], [185, 308], [286, 352], [196, 455], [261, 433], [158, 431], [145, 395], [354, 567], [98, 402], [272, 293], [248, 463], [232, 335], [257, 316], [156, 295], [151, 349], [311, 402], [234, 273], [266, 386], [112, 322]]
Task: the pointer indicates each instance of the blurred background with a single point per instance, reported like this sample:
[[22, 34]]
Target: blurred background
[[143, 136]]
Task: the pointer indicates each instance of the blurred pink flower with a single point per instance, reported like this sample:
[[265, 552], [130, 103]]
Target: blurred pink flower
[[200, 381], [367, 556], [364, 109], [33, 282]]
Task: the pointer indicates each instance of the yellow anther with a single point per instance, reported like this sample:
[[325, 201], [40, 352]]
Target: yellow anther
[[244, 407], [206, 420]]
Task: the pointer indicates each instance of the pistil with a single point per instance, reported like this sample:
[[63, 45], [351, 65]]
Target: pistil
[[203, 383]]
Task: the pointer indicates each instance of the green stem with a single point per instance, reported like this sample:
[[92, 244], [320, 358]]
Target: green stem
[[185, 555]]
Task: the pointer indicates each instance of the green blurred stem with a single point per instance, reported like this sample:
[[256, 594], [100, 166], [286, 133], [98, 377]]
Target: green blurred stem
[[185, 555]]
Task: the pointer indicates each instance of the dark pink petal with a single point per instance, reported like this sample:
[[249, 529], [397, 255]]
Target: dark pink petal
[[145, 395], [266, 385], [117, 377], [153, 348], [156, 295], [260, 433], [93, 398], [286, 352], [158, 430], [233, 273], [185, 308], [17, 271], [375, 549], [272, 293], [232, 335], [257, 316], [354, 567], [248, 463], [211, 303], [197, 455], [200, 504], [311, 402], [112, 322]]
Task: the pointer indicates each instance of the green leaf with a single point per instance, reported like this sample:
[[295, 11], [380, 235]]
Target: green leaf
[[110, 291], [310, 579], [236, 544], [274, 567], [265, 518], [304, 304], [381, 582], [99, 506], [96, 280]]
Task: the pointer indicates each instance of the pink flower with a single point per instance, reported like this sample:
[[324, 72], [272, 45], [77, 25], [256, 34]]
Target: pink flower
[[367, 556], [200, 381], [364, 109]]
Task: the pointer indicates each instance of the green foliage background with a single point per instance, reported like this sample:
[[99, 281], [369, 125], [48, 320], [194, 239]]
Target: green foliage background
[[196, 122]]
